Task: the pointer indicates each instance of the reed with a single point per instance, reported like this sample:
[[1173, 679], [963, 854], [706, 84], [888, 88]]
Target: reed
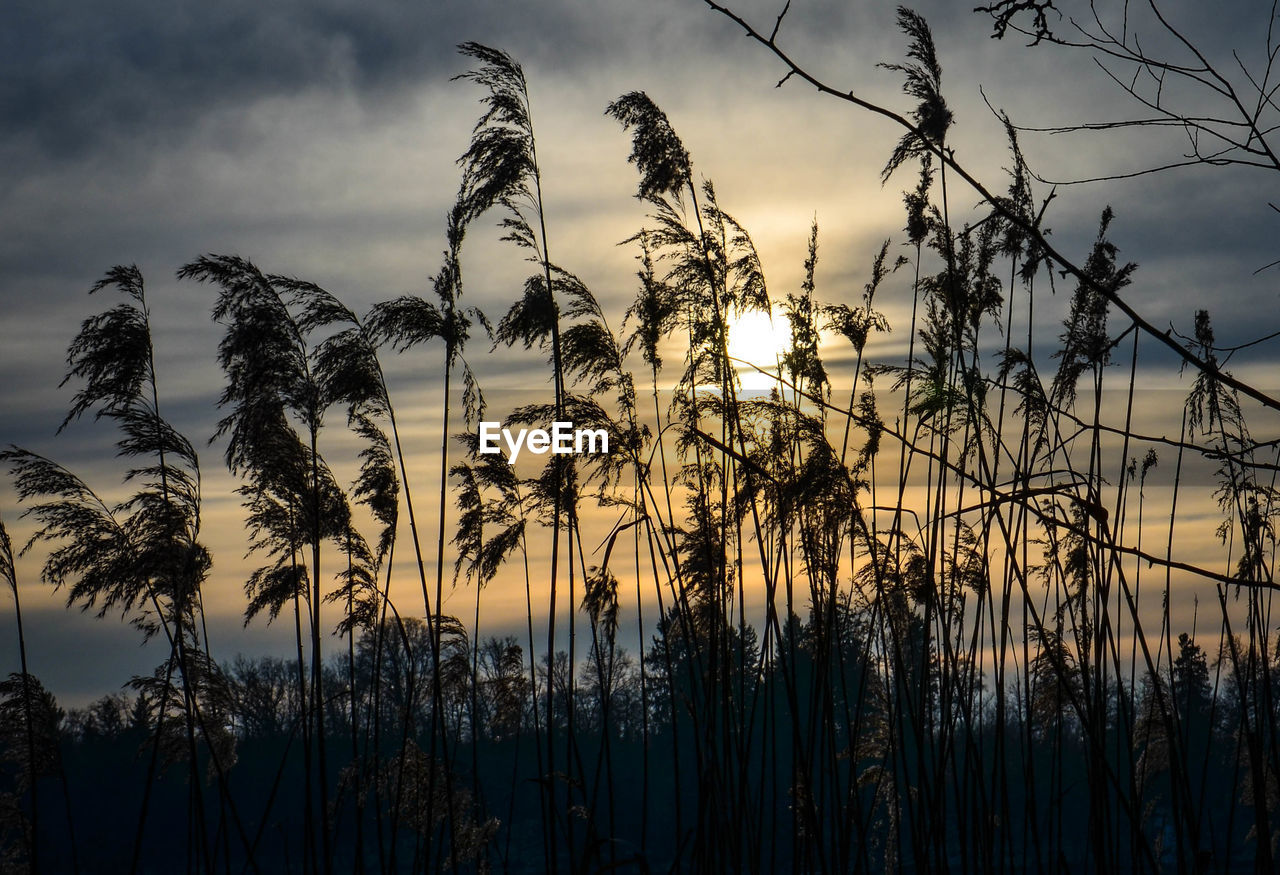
[[913, 625]]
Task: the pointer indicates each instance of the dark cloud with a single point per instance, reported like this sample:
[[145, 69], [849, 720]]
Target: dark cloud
[[81, 657], [77, 74]]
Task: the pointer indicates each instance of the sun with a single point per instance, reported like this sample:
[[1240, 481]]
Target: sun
[[755, 338]]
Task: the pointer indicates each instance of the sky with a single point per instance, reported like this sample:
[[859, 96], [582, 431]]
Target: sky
[[319, 139]]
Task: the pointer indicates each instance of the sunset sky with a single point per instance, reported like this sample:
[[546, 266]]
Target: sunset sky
[[318, 139]]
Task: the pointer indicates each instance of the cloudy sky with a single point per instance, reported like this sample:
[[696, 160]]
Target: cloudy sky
[[319, 139]]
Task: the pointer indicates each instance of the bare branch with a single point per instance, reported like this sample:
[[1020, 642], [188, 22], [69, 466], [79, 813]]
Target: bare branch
[[777, 24]]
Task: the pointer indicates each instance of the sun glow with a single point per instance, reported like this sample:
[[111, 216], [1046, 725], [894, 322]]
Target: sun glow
[[756, 339]]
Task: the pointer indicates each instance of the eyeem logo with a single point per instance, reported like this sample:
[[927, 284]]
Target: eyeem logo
[[562, 439]]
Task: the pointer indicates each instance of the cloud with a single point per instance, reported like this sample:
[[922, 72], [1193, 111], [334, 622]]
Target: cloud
[[76, 75], [79, 73]]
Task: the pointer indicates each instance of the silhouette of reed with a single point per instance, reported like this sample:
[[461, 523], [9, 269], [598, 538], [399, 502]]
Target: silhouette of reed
[[918, 628]]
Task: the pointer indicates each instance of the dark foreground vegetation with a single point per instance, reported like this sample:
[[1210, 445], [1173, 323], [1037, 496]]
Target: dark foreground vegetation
[[968, 659]]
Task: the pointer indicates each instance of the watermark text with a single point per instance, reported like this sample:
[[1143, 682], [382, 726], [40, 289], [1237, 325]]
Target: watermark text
[[562, 439]]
